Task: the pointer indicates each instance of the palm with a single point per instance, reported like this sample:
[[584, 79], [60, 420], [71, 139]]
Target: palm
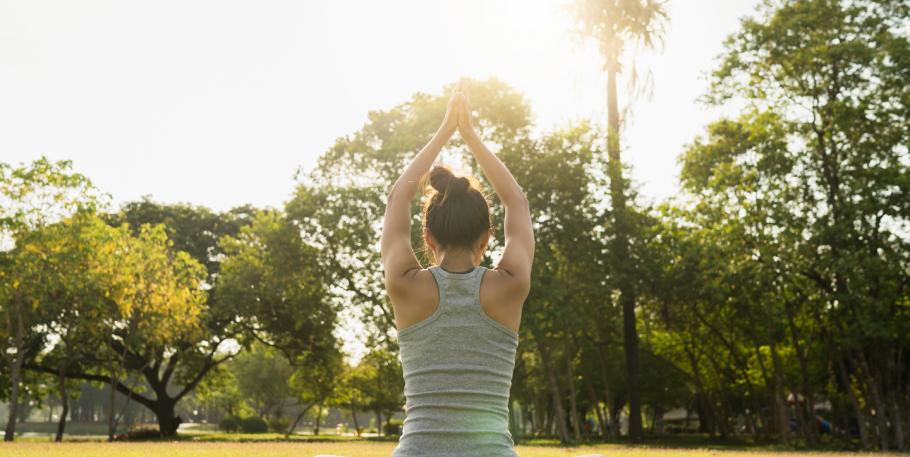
[[465, 126], [613, 23], [453, 109]]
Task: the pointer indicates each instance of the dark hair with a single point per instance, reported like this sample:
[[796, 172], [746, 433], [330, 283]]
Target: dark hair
[[455, 211]]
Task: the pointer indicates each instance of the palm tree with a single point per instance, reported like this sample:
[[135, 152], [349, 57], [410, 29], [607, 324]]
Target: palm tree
[[614, 24]]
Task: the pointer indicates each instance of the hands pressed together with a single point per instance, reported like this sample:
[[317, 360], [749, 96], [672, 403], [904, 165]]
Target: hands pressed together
[[458, 113]]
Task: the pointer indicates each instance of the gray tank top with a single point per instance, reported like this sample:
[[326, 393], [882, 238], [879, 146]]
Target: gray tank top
[[457, 367]]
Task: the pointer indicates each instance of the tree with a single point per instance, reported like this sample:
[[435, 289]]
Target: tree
[[384, 386], [31, 196], [218, 396], [557, 176], [789, 234], [350, 394], [172, 369], [262, 378], [153, 300], [824, 203], [614, 24], [273, 279], [315, 382], [62, 271]]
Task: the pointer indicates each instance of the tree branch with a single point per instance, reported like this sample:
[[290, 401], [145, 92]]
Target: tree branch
[[145, 401]]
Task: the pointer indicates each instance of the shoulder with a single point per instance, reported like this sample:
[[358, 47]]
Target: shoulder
[[506, 287], [414, 296], [414, 283], [502, 296]]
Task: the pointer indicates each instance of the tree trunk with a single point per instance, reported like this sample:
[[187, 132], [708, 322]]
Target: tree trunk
[[601, 417], [513, 422], [620, 253], [548, 422], [782, 415], [896, 422], [873, 395], [112, 412], [554, 391], [854, 400], [615, 412], [168, 421], [702, 401], [809, 393], [609, 402], [300, 416], [15, 378], [573, 399], [354, 418], [318, 419], [64, 405], [539, 416]]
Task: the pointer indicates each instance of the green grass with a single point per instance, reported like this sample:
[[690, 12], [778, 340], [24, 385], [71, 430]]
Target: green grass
[[202, 442], [348, 449]]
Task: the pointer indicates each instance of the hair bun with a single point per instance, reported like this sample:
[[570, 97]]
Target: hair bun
[[459, 185], [446, 183], [455, 211]]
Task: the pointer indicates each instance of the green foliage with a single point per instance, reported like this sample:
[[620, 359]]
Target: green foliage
[[229, 424], [271, 282], [31, 198], [616, 24], [279, 424], [262, 379], [141, 433], [253, 424], [380, 381], [392, 427], [779, 272]]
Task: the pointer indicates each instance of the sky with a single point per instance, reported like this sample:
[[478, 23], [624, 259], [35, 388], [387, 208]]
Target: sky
[[218, 103]]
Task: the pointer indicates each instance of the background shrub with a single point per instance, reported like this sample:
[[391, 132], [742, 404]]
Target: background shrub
[[253, 424], [279, 424], [229, 424]]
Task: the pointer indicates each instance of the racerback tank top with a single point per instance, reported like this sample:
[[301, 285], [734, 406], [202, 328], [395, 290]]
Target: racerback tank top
[[457, 367]]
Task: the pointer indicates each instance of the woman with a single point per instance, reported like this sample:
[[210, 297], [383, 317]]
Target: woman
[[457, 321]]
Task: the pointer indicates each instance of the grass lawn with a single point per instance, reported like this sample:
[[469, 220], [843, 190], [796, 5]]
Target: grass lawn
[[347, 449]]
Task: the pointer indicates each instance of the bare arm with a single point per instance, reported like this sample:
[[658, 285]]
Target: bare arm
[[398, 257], [518, 254]]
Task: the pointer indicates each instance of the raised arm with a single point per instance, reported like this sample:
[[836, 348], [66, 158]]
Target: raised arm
[[398, 257], [518, 254]]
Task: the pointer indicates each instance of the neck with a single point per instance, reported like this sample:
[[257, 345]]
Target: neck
[[456, 261]]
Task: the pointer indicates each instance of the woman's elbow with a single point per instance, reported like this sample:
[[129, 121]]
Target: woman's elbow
[[518, 201]]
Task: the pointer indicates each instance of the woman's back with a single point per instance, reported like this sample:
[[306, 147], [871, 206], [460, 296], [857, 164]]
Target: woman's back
[[457, 367]]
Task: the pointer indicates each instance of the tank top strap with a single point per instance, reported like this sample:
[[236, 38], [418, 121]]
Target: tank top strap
[[458, 288], [475, 275]]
